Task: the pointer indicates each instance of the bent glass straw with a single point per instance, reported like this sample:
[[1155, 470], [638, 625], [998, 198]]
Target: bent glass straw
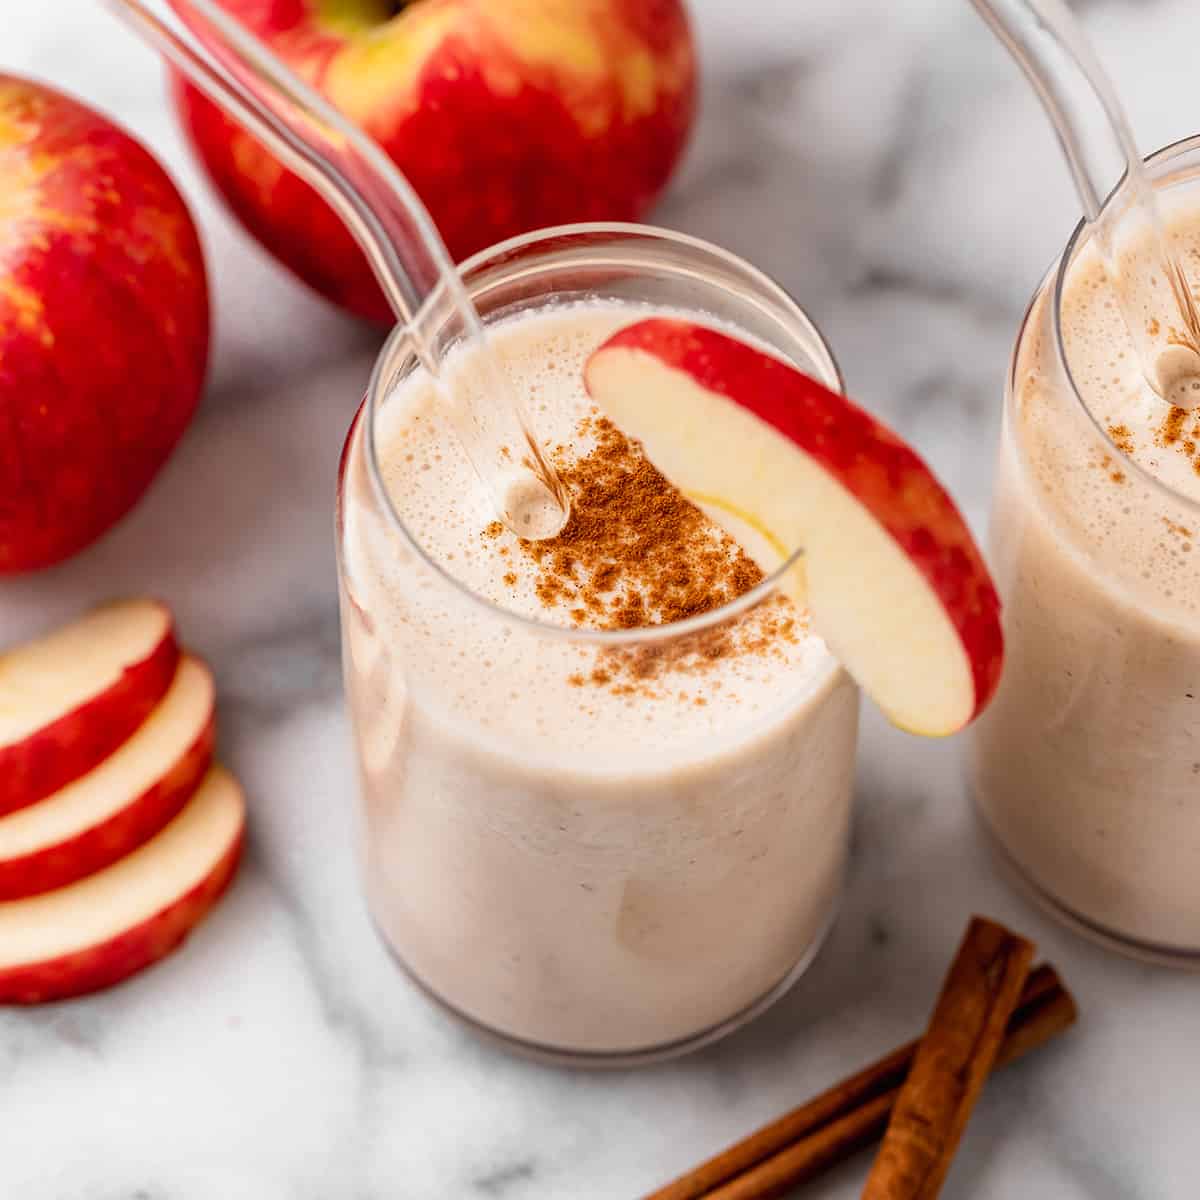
[[379, 207], [1052, 49]]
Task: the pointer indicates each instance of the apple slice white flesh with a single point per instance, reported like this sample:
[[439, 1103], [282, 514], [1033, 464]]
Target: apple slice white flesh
[[893, 579], [114, 808], [104, 928], [69, 699]]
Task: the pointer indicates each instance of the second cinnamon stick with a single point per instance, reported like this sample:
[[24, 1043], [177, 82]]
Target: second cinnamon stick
[[828, 1129], [952, 1064]]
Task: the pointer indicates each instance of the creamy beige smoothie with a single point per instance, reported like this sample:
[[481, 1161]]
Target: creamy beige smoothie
[[594, 847], [1087, 765]]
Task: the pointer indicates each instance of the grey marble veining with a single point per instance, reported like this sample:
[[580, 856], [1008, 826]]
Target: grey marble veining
[[887, 164]]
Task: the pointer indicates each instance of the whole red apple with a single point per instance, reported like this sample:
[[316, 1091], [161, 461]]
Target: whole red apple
[[104, 323], [505, 115]]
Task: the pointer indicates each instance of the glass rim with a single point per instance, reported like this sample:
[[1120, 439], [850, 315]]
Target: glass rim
[[1059, 271], [377, 386]]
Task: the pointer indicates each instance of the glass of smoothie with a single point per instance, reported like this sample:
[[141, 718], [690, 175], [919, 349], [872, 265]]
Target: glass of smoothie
[[605, 781], [1086, 768]]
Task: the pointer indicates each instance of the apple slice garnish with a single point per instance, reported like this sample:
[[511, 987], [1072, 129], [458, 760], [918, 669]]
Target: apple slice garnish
[[893, 579], [69, 699], [104, 928], [114, 808]]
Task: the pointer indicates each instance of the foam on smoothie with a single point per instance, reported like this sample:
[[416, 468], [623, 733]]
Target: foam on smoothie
[[441, 502], [1095, 495]]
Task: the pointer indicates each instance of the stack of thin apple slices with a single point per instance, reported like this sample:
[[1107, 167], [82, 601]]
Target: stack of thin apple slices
[[118, 833]]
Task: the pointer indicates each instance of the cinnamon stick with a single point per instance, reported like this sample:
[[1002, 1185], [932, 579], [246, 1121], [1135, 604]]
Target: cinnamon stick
[[803, 1143], [952, 1064], [833, 1144]]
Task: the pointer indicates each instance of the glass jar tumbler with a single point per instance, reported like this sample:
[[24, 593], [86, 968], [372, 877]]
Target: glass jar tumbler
[[1086, 768], [605, 900]]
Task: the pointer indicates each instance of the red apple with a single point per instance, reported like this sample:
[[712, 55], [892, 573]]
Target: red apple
[[120, 804], [104, 928], [892, 576], [103, 324], [69, 699], [505, 117]]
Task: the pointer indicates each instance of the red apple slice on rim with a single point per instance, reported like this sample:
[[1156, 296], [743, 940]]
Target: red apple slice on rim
[[114, 808], [69, 699], [106, 927], [894, 581]]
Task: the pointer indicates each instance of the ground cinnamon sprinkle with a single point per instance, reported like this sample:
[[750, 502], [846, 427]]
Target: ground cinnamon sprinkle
[[1106, 464], [1171, 433], [1122, 438], [1172, 426], [642, 670], [636, 553]]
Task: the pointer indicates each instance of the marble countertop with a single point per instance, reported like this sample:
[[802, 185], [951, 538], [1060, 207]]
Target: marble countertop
[[887, 164]]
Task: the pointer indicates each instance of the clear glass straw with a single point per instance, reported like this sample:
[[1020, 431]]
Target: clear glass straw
[[389, 222], [1152, 290]]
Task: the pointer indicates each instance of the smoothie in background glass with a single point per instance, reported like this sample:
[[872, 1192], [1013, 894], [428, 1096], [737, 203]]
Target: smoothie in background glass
[[605, 805], [1087, 766]]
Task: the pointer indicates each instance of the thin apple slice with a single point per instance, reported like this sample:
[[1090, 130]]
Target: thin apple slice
[[114, 808], [104, 928], [893, 579], [69, 699]]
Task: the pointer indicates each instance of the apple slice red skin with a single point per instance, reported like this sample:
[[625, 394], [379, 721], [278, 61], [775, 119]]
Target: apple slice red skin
[[865, 457], [111, 962], [102, 845], [78, 741]]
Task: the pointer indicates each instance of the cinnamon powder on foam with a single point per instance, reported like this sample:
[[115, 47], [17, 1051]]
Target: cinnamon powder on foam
[[636, 553]]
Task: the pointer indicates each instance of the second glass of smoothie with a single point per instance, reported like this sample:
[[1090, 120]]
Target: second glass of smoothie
[[1087, 766], [606, 780]]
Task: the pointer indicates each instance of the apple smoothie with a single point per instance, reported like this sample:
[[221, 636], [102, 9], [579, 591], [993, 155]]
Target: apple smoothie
[[581, 830], [1087, 767]]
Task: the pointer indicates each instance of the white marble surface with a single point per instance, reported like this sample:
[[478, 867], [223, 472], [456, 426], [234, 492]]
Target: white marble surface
[[886, 163]]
